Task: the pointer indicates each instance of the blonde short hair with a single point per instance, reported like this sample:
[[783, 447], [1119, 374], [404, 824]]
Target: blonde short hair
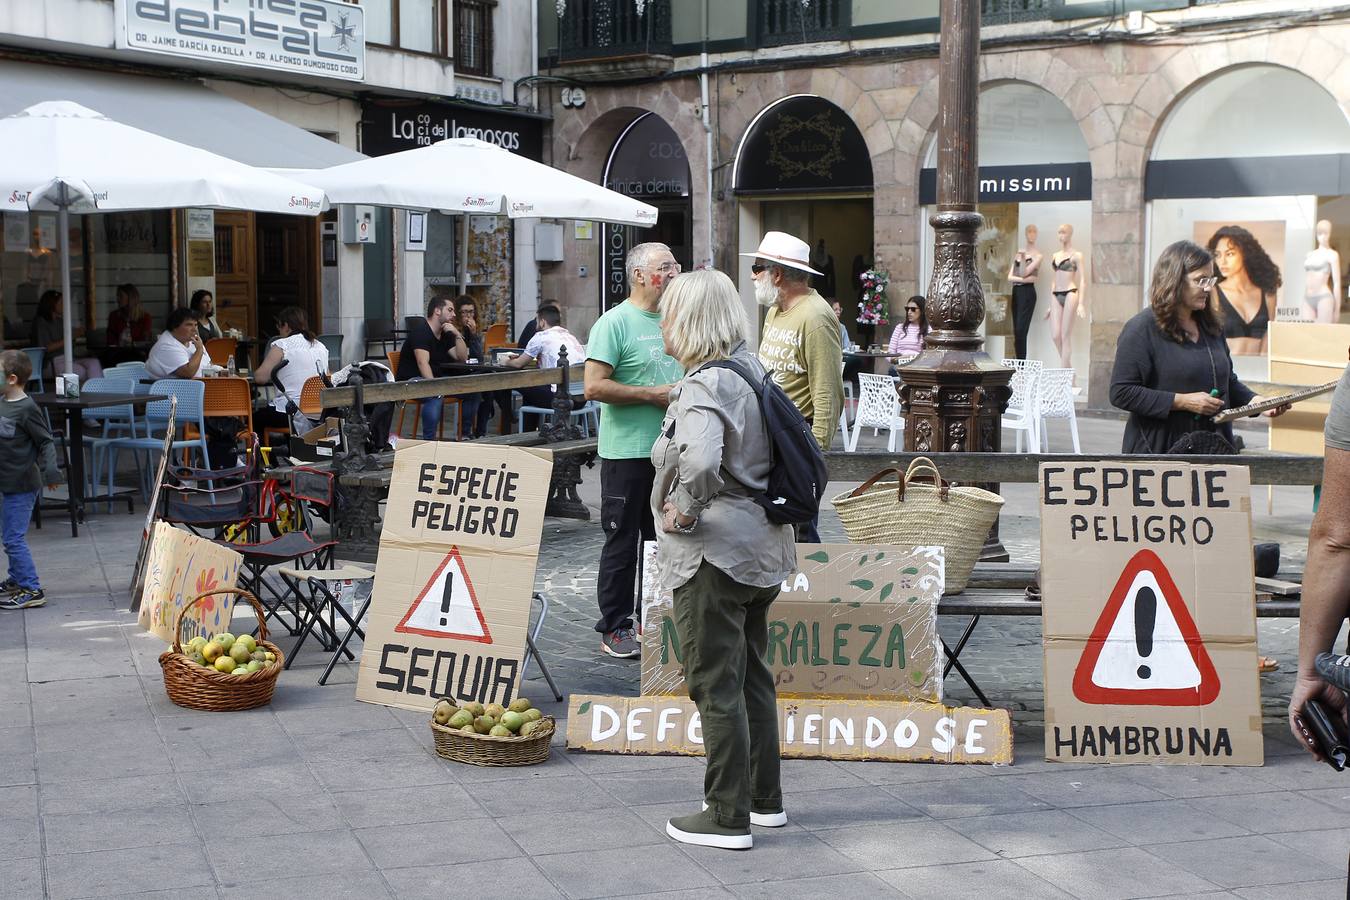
[[703, 316]]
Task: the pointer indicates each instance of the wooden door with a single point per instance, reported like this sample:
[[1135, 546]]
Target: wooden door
[[235, 278], [285, 270]]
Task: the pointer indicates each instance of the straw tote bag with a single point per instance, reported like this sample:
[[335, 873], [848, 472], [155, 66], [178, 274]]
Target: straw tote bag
[[911, 513]]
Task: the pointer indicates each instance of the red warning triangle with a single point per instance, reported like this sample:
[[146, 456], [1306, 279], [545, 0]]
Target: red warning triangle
[[1145, 649], [447, 606]]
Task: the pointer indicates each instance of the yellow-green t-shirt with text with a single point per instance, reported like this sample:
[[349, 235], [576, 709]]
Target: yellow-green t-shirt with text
[[801, 347]]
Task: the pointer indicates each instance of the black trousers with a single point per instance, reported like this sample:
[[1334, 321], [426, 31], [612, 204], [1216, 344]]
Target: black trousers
[[626, 516], [1023, 309]]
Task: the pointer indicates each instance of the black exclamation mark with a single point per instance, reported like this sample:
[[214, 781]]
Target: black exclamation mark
[[445, 598], [1145, 614]]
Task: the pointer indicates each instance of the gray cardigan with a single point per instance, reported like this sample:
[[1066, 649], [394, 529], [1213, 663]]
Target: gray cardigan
[[713, 447]]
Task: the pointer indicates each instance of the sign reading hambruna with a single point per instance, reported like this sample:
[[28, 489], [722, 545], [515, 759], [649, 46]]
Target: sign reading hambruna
[[807, 729], [1148, 614], [455, 573], [852, 621], [309, 37]]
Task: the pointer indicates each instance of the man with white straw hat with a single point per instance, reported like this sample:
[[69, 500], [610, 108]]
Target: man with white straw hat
[[800, 344]]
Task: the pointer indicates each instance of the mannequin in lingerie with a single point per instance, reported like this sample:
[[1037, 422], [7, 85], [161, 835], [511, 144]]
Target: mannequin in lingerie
[[1022, 275], [1322, 286], [1067, 290]]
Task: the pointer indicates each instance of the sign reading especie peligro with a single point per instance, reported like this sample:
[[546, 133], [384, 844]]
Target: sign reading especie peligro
[[310, 37]]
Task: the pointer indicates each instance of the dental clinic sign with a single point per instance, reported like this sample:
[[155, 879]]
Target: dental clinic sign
[[309, 37]]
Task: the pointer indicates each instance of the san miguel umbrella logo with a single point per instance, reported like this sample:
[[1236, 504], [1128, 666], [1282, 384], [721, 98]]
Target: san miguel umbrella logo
[[447, 606]]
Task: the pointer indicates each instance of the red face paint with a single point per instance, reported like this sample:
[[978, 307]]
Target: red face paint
[[656, 280]]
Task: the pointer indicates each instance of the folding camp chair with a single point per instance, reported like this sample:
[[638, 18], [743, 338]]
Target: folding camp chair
[[321, 593], [298, 550]]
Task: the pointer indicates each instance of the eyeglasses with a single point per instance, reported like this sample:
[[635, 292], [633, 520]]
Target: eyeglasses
[[911, 309], [756, 268], [1206, 282], [666, 267]]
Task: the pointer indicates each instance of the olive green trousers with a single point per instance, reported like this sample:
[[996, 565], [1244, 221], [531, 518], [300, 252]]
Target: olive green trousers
[[724, 633]]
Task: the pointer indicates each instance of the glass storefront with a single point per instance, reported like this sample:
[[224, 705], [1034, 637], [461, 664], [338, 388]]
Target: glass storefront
[[1034, 172]]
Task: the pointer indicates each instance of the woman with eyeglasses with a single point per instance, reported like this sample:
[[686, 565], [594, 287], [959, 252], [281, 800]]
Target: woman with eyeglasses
[[1173, 371], [907, 338]]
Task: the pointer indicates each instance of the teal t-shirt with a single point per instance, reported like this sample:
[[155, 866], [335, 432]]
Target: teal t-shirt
[[629, 340]]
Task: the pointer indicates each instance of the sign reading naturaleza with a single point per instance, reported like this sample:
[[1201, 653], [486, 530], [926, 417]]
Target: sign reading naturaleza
[[311, 37]]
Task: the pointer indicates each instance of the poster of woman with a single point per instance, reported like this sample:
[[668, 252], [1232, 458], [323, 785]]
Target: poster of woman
[[1247, 259]]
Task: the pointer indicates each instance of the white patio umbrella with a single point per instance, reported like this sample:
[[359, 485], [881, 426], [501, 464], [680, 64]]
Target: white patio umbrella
[[65, 157], [472, 176]]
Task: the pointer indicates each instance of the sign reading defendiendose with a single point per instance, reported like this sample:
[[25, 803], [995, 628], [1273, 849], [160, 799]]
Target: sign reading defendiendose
[[309, 37], [1149, 614], [453, 580]]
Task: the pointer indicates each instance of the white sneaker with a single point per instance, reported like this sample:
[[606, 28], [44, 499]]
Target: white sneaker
[[766, 820]]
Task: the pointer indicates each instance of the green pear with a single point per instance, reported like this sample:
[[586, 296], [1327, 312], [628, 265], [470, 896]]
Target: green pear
[[520, 704], [500, 731]]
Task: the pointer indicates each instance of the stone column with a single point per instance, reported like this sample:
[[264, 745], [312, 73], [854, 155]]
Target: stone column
[[954, 395]]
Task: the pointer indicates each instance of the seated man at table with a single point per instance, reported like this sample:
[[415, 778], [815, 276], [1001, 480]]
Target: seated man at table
[[179, 352], [431, 344], [544, 347]]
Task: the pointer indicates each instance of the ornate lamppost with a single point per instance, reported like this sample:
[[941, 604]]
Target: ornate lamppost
[[954, 394]]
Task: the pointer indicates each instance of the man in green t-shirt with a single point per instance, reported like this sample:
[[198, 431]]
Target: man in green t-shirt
[[800, 344], [629, 373]]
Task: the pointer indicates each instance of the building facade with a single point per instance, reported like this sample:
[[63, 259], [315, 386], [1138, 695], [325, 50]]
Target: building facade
[[1135, 124], [288, 86]]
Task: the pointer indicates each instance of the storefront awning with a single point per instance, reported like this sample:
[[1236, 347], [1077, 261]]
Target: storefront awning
[[185, 111]]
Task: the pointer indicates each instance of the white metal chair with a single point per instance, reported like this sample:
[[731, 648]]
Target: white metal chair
[[1023, 406], [1055, 401], [878, 407]]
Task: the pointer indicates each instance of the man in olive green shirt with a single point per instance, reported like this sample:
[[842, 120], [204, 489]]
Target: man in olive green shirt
[[629, 373], [800, 344]]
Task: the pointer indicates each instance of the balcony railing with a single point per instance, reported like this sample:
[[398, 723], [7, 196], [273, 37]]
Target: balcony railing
[[1002, 12], [593, 29], [792, 22]]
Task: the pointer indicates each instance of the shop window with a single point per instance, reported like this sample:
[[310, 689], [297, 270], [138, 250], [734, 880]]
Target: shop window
[[473, 36], [417, 26]]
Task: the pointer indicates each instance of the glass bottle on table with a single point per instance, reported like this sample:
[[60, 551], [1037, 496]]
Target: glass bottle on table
[[231, 368]]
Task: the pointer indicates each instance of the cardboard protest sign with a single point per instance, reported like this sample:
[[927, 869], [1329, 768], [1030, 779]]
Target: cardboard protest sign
[[899, 731], [1149, 614], [852, 621], [181, 566], [451, 601], [152, 508]]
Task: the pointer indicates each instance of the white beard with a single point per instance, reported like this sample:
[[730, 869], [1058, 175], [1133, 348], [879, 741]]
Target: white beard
[[765, 293]]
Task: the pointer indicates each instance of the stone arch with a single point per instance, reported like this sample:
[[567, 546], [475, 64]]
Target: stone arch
[[1179, 97]]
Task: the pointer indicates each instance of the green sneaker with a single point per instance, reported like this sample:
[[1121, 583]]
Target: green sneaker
[[702, 829]]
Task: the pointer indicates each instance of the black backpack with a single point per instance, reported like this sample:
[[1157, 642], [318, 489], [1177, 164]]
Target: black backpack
[[797, 472]]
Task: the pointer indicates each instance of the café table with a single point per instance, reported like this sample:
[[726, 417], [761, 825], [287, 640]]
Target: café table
[[72, 410], [501, 398]]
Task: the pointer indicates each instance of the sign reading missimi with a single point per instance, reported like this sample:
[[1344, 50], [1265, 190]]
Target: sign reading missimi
[[309, 37]]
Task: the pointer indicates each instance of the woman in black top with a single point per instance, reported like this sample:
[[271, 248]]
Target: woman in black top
[[1173, 371]]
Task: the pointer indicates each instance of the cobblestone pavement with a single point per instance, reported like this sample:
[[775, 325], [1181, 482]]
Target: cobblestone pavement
[[107, 789]]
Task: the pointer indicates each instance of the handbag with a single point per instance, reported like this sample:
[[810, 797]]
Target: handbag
[[910, 513]]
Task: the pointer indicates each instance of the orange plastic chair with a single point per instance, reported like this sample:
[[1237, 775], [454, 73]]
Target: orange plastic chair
[[453, 402], [225, 397], [496, 336], [221, 349], [310, 404]]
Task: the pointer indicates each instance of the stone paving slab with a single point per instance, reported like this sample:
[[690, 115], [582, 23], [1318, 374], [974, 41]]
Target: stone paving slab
[[108, 789]]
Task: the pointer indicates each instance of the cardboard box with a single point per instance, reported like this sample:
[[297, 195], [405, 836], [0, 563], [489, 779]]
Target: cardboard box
[[455, 573], [319, 443], [181, 567], [1149, 615], [852, 621], [807, 729]]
